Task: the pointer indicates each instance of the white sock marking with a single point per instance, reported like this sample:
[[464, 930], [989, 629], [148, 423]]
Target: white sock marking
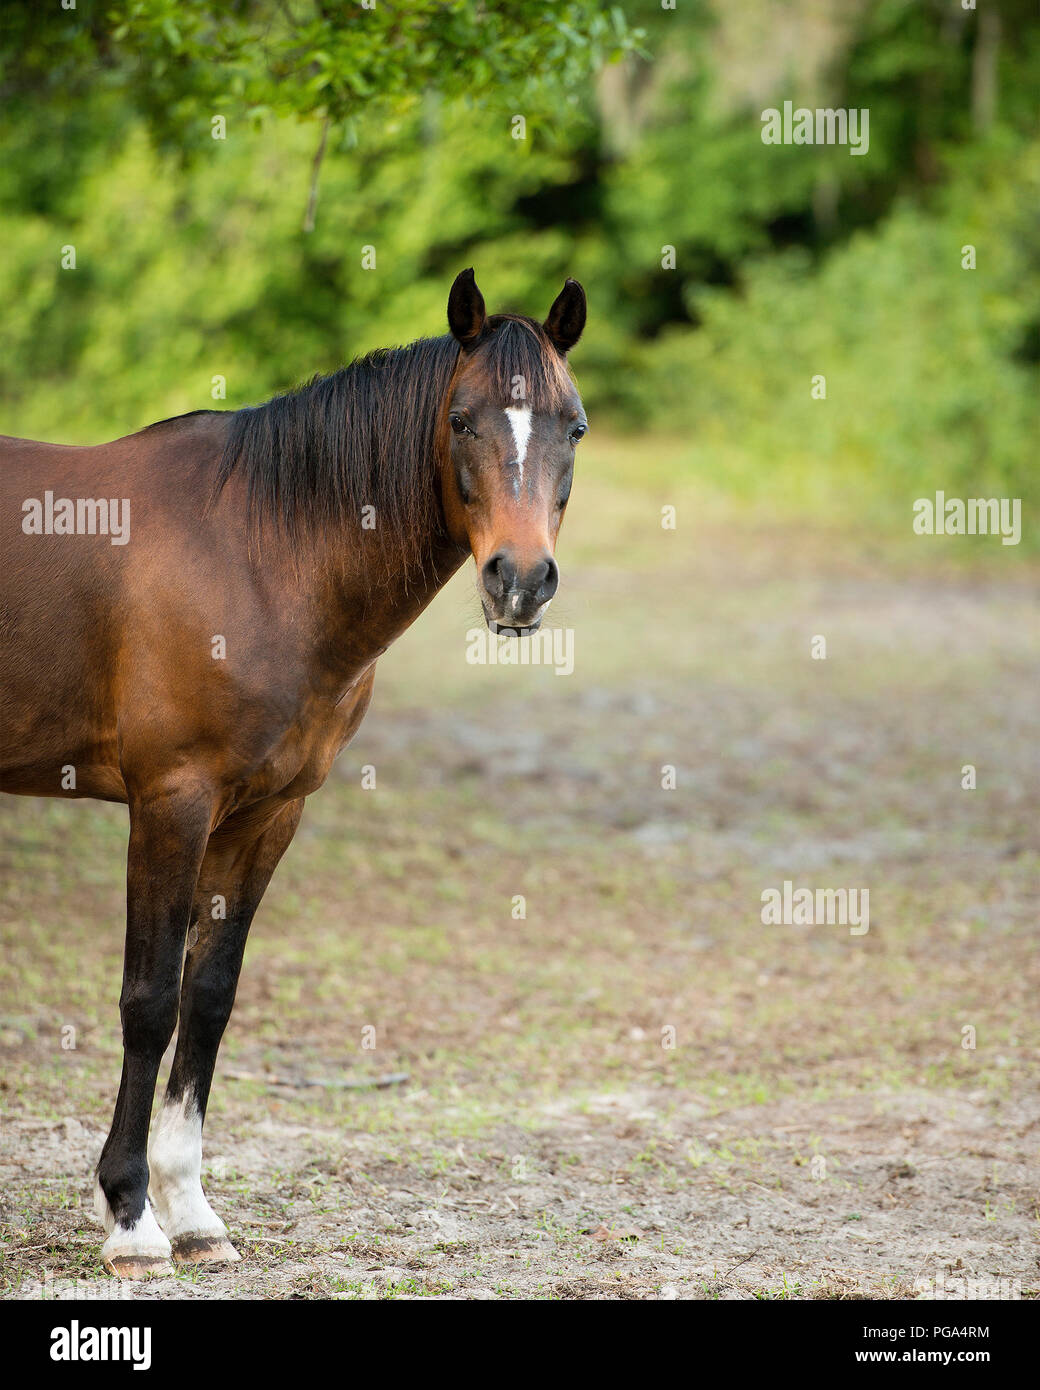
[[519, 417], [144, 1238], [175, 1173]]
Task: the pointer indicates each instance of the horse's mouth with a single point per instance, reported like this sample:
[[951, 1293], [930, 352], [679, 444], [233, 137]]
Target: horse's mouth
[[512, 627], [497, 628]]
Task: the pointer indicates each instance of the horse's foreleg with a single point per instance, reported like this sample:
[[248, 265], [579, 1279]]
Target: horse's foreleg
[[240, 859], [168, 834]]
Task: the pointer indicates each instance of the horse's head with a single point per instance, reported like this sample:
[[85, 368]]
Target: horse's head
[[511, 422]]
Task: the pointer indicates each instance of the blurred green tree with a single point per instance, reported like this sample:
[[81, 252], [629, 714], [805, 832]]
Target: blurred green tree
[[722, 272]]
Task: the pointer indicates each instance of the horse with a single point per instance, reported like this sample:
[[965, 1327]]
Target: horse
[[201, 643]]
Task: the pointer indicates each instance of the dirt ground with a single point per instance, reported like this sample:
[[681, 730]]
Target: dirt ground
[[636, 1089]]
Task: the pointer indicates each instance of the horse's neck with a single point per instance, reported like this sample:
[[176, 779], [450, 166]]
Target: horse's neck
[[361, 613]]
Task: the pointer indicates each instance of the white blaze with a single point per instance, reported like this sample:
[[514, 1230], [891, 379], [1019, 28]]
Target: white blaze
[[519, 417]]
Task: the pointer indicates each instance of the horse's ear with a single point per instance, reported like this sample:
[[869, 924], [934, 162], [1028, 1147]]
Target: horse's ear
[[466, 313], [566, 317]]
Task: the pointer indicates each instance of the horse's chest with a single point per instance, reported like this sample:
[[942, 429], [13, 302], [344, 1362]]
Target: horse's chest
[[310, 747]]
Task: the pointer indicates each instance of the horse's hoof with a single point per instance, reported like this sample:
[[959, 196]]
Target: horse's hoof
[[137, 1266], [204, 1250]]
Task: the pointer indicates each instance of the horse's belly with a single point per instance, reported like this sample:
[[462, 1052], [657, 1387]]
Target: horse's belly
[[57, 751], [52, 743]]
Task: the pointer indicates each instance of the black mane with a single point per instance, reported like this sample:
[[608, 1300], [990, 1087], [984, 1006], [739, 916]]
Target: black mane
[[365, 436]]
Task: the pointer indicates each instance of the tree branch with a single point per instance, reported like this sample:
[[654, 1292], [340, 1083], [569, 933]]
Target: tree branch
[[319, 155]]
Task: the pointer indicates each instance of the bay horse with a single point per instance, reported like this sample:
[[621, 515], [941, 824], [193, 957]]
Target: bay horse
[[191, 618]]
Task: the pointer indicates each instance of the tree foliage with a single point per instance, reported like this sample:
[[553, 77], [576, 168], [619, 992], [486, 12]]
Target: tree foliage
[[642, 132], [179, 61]]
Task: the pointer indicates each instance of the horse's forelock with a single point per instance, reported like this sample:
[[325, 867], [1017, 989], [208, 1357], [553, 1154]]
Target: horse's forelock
[[519, 365]]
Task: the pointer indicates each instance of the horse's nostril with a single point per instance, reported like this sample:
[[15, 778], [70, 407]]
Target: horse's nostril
[[549, 581], [502, 579], [499, 574]]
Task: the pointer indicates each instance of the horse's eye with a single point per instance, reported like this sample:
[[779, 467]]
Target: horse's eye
[[459, 425], [578, 432]]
